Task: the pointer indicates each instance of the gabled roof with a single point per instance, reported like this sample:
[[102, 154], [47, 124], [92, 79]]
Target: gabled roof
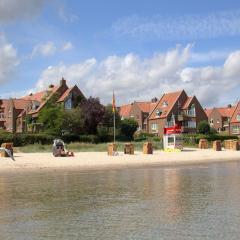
[[65, 95], [125, 110], [166, 103], [41, 96], [235, 113], [144, 106], [45, 96], [208, 111], [21, 103], [187, 103], [227, 111]]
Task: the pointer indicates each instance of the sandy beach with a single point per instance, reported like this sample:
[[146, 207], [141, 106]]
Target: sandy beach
[[100, 160]]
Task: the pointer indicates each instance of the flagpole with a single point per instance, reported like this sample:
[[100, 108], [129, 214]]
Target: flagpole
[[114, 127], [114, 118]]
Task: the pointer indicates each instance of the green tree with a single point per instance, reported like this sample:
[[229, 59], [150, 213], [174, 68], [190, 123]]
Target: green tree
[[204, 127], [52, 116], [128, 127], [107, 120], [52, 119], [73, 122]]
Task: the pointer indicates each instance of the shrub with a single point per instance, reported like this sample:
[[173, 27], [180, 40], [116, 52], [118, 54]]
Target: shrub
[[128, 127], [103, 135], [193, 139], [203, 127]]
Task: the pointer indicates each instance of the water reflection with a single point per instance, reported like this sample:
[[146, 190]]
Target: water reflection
[[157, 203]]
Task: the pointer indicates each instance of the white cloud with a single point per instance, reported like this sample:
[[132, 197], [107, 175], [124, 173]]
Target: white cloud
[[67, 46], [66, 16], [8, 60], [11, 10], [134, 78], [45, 49], [50, 48], [76, 72], [167, 27]]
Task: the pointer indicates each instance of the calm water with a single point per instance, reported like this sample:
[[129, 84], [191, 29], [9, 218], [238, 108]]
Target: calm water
[[200, 202]]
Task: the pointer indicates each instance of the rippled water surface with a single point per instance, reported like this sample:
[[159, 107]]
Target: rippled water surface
[[200, 202]]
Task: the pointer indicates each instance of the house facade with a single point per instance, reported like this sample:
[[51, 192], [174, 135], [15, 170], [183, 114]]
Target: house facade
[[138, 111], [176, 108], [14, 112], [225, 119]]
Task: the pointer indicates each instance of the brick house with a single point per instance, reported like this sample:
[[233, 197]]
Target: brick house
[[139, 111], [176, 108], [225, 119], [14, 112]]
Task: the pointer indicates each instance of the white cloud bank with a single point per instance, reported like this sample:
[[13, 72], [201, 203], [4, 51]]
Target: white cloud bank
[[8, 60], [134, 78], [11, 10]]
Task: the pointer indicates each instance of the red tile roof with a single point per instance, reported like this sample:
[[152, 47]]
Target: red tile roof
[[166, 103], [144, 106], [125, 110], [187, 103], [208, 111], [65, 94], [227, 111], [21, 103], [41, 96], [236, 113]]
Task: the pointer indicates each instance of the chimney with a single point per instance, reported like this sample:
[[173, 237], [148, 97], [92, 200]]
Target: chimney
[[154, 100], [63, 82]]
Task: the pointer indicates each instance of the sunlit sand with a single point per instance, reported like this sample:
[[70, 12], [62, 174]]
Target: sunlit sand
[[100, 160]]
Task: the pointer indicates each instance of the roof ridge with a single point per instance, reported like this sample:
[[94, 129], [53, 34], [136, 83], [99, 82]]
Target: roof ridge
[[236, 107]]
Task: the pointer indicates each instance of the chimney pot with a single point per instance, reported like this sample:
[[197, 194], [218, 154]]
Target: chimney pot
[[62, 82]]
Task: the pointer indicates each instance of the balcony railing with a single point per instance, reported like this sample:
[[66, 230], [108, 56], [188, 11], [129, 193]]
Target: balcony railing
[[185, 115], [170, 124], [225, 124]]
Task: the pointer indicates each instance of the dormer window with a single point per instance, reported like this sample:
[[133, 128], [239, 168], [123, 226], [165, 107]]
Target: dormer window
[[35, 106], [165, 104], [158, 112]]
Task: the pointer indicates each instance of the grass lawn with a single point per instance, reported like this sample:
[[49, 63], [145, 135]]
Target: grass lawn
[[82, 147]]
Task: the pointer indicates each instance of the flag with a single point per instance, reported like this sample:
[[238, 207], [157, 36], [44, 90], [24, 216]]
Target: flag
[[113, 103]]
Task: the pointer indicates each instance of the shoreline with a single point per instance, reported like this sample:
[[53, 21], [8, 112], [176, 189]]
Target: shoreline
[[86, 161]]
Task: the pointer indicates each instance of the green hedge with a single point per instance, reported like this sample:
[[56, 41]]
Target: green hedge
[[24, 139], [80, 138], [194, 138]]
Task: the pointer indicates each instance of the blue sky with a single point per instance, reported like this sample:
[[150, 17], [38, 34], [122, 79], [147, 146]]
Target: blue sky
[[140, 49]]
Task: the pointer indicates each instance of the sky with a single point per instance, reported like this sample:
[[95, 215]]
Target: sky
[[138, 49]]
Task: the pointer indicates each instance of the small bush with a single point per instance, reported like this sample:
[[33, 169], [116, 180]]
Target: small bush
[[102, 134], [204, 127]]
